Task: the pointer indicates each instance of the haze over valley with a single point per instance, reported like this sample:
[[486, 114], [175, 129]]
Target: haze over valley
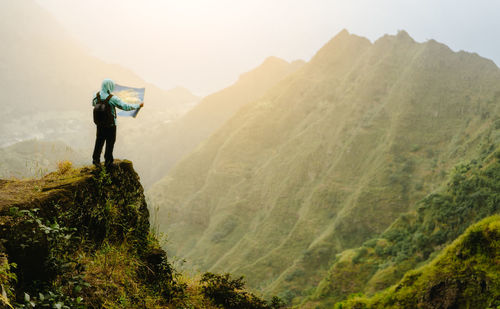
[[366, 175]]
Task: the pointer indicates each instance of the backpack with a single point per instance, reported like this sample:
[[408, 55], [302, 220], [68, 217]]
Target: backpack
[[102, 112]]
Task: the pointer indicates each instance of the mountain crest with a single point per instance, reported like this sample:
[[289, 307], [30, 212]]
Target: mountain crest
[[400, 38], [268, 66], [344, 46], [362, 131], [403, 35], [272, 60]]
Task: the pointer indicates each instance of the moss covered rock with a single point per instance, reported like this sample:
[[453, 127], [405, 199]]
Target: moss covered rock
[[59, 233]]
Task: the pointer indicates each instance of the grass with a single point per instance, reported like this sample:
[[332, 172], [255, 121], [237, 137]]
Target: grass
[[112, 273], [416, 237], [64, 166], [326, 160], [462, 276], [84, 240]]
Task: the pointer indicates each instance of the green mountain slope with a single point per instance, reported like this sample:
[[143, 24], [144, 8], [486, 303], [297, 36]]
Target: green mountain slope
[[465, 275], [183, 135], [327, 159], [472, 193], [80, 238]]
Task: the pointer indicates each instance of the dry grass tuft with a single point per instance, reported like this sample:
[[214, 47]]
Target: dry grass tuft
[[64, 166]]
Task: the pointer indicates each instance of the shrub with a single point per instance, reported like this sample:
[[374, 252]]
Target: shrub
[[229, 293], [64, 166]]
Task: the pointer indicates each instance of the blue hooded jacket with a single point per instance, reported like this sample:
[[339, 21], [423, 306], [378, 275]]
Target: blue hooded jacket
[[107, 88]]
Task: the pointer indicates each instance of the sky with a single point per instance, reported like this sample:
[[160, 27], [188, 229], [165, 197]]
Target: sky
[[204, 45]]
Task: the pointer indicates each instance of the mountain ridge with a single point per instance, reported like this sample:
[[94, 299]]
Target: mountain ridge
[[362, 129], [417, 236], [185, 134], [461, 276]]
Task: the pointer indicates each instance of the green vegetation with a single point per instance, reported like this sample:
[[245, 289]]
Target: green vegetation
[[472, 193], [83, 240], [7, 280], [183, 135], [465, 275], [229, 293], [330, 158], [320, 178]]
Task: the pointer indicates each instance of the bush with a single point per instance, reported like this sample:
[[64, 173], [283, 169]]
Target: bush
[[229, 293], [359, 255], [64, 166]]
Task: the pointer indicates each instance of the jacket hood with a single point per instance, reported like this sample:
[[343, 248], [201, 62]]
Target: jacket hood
[[107, 88]]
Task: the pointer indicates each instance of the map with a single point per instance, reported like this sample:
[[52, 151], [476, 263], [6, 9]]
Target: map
[[129, 95]]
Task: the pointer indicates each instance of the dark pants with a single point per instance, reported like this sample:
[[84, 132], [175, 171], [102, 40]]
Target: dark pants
[[108, 135]]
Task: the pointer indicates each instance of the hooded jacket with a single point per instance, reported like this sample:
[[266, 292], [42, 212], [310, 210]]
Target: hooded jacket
[[107, 88]]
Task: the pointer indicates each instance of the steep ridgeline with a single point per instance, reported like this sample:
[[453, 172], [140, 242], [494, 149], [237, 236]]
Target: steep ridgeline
[[465, 275], [471, 193], [328, 158], [180, 137]]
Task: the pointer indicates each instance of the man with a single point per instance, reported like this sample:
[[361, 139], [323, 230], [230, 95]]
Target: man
[[105, 119]]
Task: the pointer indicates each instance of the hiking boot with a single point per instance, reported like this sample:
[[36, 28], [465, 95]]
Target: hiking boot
[[109, 166]]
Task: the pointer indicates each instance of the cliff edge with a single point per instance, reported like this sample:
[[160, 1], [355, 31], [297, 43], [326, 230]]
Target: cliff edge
[[79, 238]]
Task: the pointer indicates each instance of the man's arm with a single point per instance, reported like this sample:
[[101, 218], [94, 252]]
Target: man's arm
[[117, 102], [94, 99]]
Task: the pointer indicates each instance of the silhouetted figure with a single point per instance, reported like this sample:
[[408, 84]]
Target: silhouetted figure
[[105, 119]]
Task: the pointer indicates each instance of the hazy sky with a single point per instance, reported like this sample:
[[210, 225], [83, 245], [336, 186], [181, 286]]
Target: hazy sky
[[205, 44]]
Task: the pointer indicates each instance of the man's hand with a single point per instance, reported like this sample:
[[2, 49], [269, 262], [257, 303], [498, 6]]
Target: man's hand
[[142, 104]]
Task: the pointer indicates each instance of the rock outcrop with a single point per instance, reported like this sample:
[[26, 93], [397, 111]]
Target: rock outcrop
[[80, 237]]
